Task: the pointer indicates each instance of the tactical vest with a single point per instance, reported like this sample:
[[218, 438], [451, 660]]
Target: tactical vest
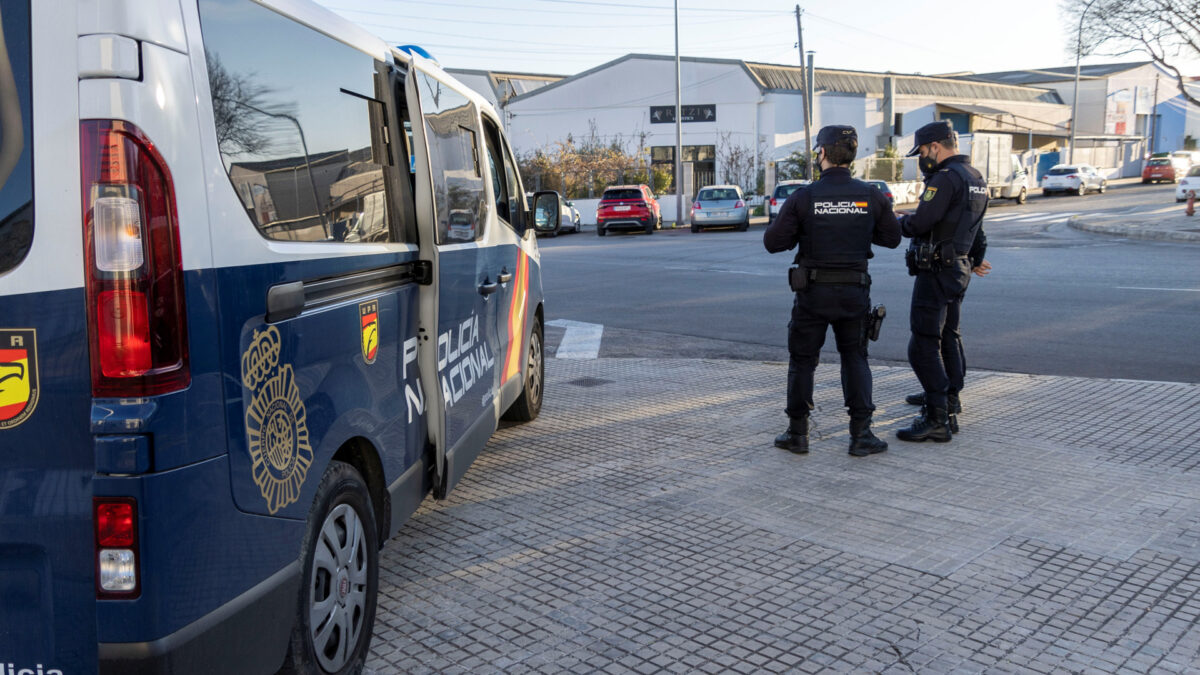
[[839, 225], [964, 217]]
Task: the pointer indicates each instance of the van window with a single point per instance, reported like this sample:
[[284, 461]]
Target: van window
[[301, 145], [16, 139], [454, 161], [505, 183]]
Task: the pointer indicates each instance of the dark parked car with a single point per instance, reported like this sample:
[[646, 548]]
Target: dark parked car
[[883, 187]]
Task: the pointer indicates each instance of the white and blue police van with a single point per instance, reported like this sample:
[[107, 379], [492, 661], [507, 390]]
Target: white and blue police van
[[265, 283]]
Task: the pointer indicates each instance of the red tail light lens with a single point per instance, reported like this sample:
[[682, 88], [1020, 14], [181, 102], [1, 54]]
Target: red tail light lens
[[695, 206], [1045, 177], [137, 316], [1072, 176], [739, 204], [773, 202], [116, 546]]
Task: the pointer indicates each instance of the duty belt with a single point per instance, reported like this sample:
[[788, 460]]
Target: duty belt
[[825, 276]]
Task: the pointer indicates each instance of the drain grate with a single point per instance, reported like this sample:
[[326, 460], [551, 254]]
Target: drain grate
[[589, 382]]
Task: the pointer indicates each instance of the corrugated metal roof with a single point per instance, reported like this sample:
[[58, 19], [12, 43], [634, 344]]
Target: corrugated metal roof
[[1041, 75], [787, 78]]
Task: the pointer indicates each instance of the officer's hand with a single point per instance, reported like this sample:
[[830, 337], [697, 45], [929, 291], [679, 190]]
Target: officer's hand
[[983, 269]]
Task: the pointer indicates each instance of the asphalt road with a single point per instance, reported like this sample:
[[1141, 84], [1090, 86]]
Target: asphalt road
[[1059, 301]]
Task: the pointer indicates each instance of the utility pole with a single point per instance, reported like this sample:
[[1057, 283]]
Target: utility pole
[[678, 129], [1075, 96], [808, 167], [1154, 117]]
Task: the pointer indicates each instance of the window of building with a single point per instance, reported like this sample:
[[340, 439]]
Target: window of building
[[298, 126], [454, 161], [702, 157]]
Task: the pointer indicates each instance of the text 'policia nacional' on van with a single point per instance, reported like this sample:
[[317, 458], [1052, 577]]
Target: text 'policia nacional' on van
[[265, 282]]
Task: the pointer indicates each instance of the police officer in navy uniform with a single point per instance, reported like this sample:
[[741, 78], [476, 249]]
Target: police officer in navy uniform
[[943, 232], [834, 221]]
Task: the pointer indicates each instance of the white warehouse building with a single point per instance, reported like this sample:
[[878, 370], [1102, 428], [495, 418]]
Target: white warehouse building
[[729, 104]]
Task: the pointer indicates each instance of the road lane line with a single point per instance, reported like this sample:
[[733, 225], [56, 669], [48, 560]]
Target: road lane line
[[580, 341], [1150, 288], [1018, 215], [1051, 216]]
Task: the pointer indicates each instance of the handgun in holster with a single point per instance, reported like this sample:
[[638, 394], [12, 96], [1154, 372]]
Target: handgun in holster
[[798, 277], [873, 323]]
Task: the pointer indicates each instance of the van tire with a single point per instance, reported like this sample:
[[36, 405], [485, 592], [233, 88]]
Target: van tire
[[529, 403], [341, 510], [1022, 196]]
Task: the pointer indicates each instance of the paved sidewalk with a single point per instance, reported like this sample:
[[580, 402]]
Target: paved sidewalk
[[1168, 223], [644, 523]]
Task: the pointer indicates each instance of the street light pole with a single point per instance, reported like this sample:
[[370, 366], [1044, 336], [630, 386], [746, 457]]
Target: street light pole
[[808, 149], [1075, 96], [678, 128]]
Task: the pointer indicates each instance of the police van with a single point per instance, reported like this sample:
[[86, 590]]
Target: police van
[[265, 283]]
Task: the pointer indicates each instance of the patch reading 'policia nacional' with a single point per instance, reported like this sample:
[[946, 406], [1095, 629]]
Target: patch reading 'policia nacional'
[[276, 427], [929, 193], [368, 313], [18, 376]]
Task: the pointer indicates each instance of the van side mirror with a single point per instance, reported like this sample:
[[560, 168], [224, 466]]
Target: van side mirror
[[546, 212]]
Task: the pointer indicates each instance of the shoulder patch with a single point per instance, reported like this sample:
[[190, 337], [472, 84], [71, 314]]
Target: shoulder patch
[[929, 194]]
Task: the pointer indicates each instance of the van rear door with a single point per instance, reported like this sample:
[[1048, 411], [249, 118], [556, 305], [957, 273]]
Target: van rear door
[[47, 459]]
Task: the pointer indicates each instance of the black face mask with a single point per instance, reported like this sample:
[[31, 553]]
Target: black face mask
[[927, 165]]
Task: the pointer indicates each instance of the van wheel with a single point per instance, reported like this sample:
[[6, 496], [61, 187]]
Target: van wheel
[[1022, 196], [529, 403], [340, 578]]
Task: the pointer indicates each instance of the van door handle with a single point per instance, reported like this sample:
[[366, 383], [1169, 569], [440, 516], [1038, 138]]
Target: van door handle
[[487, 288], [285, 301]]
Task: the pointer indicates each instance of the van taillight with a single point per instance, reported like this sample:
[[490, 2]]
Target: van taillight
[[137, 317], [116, 543]]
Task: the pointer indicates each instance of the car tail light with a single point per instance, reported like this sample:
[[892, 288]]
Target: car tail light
[[696, 206], [1045, 177], [739, 204], [137, 319], [116, 546], [773, 202], [1072, 176]]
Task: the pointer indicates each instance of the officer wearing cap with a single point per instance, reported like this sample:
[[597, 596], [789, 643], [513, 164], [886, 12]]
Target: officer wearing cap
[[834, 221], [945, 233]]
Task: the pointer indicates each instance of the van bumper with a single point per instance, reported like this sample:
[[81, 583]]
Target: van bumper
[[243, 636]]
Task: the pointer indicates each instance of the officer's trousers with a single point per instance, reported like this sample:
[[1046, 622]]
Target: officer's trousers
[[935, 349], [845, 307]]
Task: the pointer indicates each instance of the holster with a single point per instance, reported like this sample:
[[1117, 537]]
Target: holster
[[798, 277]]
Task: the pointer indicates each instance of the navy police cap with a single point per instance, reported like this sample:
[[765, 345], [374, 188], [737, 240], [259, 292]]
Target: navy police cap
[[934, 131], [836, 133]]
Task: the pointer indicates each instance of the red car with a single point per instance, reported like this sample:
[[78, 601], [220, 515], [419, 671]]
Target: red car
[[628, 207], [1160, 169]]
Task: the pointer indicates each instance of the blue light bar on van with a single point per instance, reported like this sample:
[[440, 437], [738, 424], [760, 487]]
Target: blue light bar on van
[[419, 51]]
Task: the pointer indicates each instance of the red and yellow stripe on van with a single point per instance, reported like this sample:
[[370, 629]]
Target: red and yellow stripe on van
[[516, 317]]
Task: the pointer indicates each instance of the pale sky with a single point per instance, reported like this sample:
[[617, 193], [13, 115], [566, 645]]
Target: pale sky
[[564, 37]]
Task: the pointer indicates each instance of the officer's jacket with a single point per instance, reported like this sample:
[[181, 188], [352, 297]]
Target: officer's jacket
[[835, 220], [952, 207]]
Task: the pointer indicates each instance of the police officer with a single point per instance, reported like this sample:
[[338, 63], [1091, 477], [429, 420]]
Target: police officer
[[943, 232], [834, 221]]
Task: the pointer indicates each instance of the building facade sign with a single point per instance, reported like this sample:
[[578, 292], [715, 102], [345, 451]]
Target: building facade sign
[[665, 114]]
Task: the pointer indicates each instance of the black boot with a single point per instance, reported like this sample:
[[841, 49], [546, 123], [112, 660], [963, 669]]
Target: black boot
[[862, 441], [932, 425], [952, 410], [795, 439]]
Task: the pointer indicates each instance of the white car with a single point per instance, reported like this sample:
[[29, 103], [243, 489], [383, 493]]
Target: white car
[[783, 190], [1076, 178], [570, 216], [1189, 183]]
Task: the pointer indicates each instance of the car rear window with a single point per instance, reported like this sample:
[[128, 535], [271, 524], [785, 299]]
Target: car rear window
[[711, 195], [16, 139], [1160, 162], [622, 194], [1063, 170], [786, 190], [1194, 171]]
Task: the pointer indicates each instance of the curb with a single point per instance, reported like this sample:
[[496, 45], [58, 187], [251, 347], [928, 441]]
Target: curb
[[1136, 231]]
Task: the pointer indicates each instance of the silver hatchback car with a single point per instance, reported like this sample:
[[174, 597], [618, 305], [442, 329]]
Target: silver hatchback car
[[720, 206]]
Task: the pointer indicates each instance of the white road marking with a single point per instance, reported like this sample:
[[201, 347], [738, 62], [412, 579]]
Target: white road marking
[[580, 341], [1013, 216], [1051, 217], [1149, 288]]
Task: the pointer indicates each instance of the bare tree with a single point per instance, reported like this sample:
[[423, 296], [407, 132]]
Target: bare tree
[[242, 111], [737, 161], [1168, 31]]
